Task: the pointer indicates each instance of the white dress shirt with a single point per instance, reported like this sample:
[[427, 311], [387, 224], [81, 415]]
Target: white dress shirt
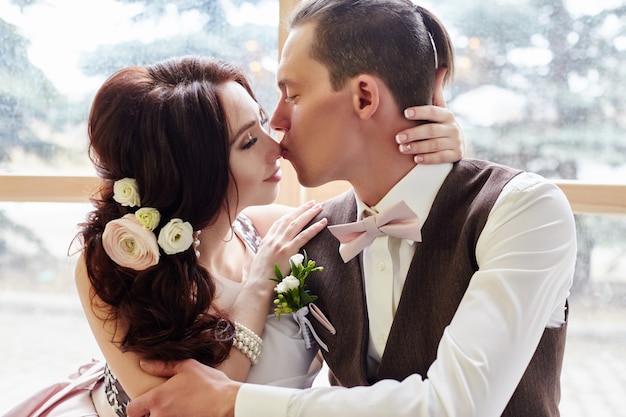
[[525, 253], [387, 260]]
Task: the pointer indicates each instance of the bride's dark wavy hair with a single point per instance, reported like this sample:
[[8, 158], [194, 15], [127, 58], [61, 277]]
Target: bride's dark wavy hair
[[163, 125]]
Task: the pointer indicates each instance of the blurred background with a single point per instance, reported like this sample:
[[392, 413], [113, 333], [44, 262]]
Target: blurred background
[[540, 85]]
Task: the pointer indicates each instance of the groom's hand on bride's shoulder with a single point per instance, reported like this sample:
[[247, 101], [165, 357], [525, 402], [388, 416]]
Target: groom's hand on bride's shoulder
[[193, 389]]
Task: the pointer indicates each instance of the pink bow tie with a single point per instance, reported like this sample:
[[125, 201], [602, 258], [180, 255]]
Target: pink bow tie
[[397, 221]]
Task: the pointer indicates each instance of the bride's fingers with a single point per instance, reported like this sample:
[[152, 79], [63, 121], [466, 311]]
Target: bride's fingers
[[438, 157], [447, 148], [438, 140], [288, 235], [440, 122], [431, 137], [307, 234], [433, 114], [292, 214], [292, 223], [289, 243]]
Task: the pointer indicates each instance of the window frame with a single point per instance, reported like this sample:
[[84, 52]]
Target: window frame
[[584, 197]]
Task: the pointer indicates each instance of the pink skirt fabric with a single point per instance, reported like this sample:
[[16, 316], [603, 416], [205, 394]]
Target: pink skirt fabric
[[70, 398]]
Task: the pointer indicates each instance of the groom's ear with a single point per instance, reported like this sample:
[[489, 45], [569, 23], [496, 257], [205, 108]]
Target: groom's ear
[[438, 97], [365, 95]]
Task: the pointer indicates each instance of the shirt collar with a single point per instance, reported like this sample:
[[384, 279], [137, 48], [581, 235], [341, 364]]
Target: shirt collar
[[418, 188]]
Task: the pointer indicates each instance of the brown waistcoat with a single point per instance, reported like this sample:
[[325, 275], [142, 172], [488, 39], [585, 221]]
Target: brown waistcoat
[[429, 298]]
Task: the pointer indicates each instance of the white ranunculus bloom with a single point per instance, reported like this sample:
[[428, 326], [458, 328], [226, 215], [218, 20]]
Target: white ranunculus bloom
[[149, 217], [126, 192], [176, 236], [129, 244]]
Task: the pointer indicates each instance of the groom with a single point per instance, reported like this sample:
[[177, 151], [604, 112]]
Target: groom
[[465, 317]]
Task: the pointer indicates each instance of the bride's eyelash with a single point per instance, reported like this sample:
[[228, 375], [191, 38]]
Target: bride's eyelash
[[254, 139], [250, 142]]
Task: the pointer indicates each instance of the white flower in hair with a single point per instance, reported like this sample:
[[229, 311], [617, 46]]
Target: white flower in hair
[[149, 217], [129, 244], [176, 236], [126, 192]]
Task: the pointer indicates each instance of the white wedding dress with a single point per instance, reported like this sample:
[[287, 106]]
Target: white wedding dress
[[285, 361]]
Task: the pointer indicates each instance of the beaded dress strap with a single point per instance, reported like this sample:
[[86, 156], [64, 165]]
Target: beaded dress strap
[[247, 232]]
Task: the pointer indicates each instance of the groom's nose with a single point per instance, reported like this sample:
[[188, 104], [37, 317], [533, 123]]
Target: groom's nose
[[280, 121]]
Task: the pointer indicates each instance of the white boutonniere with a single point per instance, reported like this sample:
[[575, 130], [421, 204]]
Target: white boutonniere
[[291, 292]]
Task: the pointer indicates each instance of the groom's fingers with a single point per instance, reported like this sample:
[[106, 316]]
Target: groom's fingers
[[193, 389], [140, 406], [147, 403]]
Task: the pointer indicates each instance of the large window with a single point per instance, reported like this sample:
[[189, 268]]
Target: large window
[[540, 85], [56, 54]]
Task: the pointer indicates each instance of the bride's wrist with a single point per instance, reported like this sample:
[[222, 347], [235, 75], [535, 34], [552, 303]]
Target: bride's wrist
[[259, 286]]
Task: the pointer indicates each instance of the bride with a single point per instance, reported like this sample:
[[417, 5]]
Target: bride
[[181, 146]]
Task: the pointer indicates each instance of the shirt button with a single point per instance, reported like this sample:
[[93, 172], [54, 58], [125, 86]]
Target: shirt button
[[380, 265]]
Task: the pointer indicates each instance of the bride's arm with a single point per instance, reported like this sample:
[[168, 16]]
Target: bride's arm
[[282, 230], [125, 365], [108, 334]]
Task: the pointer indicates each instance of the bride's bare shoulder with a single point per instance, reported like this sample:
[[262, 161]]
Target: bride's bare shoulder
[[264, 216]]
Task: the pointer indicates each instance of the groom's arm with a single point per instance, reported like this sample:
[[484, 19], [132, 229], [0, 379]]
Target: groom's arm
[[194, 389]]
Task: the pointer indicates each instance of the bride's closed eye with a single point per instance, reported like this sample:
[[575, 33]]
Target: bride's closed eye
[[250, 142]]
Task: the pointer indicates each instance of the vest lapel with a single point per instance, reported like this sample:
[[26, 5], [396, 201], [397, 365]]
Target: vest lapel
[[341, 297]]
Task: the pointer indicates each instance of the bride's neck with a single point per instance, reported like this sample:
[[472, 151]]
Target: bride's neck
[[221, 249]]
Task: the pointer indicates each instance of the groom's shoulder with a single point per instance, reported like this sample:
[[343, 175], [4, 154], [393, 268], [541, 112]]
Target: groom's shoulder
[[346, 197], [340, 206]]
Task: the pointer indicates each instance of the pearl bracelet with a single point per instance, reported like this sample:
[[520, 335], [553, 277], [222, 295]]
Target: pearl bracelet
[[248, 342]]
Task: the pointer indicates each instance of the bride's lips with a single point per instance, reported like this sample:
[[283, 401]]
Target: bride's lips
[[275, 177]]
